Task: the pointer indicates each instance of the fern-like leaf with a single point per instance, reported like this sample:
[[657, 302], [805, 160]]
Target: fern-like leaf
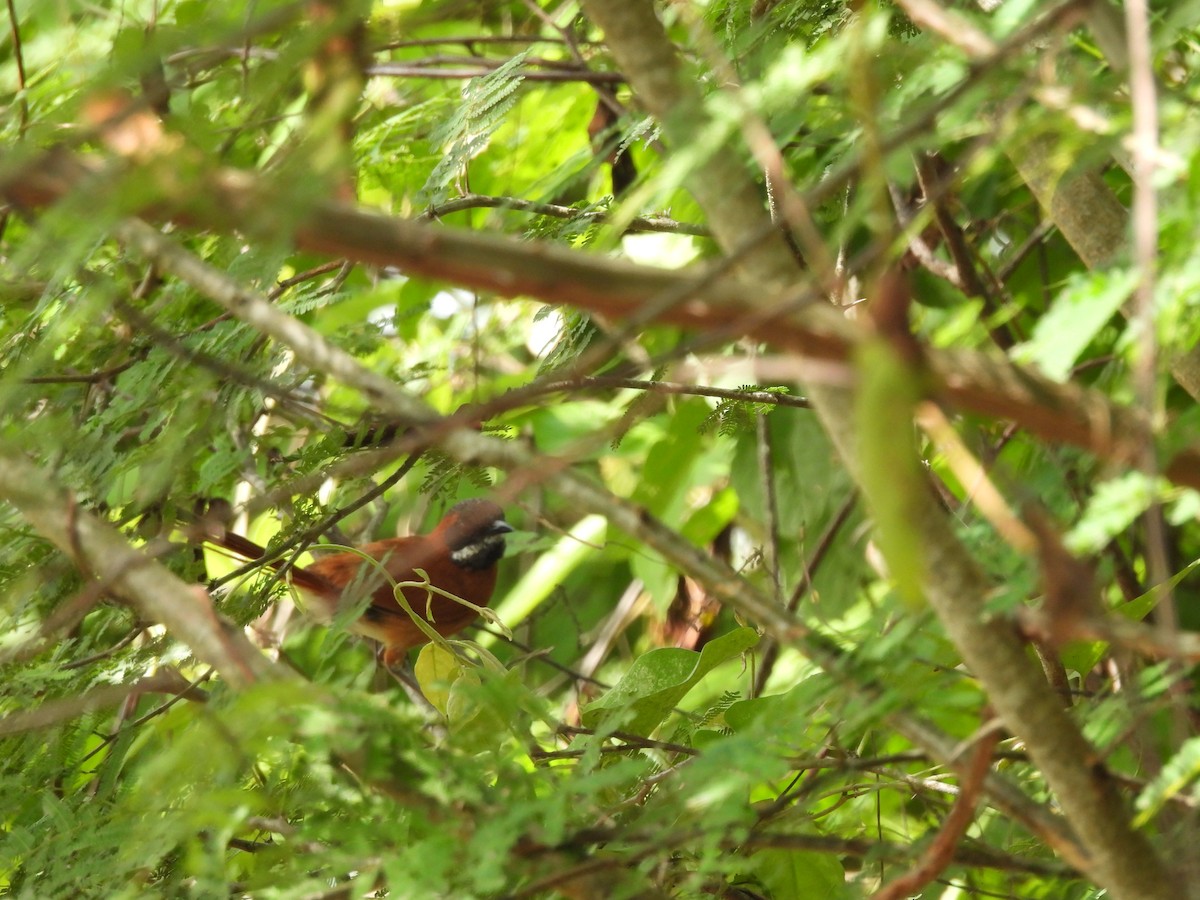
[[467, 133]]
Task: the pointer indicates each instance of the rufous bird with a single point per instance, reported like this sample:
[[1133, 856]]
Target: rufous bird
[[459, 556]]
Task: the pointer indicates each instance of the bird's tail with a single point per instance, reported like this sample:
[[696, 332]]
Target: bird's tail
[[302, 578]]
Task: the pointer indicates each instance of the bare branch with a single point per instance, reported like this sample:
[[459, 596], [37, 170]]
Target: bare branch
[[660, 224], [395, 70], [468, 445]]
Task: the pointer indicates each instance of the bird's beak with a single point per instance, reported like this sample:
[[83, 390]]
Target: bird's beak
[[500, 527]]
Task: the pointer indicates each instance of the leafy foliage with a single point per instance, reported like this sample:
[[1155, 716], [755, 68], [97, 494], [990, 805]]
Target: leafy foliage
[[468, 129], [642, 732], [733, 417]]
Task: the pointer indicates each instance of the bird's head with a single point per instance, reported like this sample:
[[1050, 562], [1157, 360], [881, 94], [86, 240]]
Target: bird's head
[[474, 532]]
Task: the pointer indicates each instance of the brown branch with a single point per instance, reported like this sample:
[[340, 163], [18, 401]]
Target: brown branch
[[510, 268], [855, 848], [19, 55], [468, 445], [1147, 640], [125, 727], [1118, 857], [949, 26], [452, 59], [647, 844], [315, 272], [96, 377], [1061, 17], [941, 852], [1031, 243], [14, 30], [297, 544], [610, 382], [109, 651], [63, 617], [227, 372], [468, 40], [633, 740]]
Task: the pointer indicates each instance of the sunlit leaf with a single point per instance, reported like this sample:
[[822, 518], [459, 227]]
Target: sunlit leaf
[[1076, 315], [658, 680]]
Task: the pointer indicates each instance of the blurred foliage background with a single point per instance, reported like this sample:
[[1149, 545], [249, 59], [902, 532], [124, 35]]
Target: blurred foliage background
[[638, 728]]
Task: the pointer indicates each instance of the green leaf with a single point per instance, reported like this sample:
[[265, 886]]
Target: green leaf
[[796, 873], [1112, 509], [789, 713], [658, 680], [1180, 770], [1082, 308], [437, 669], [667, 468], [485, 101]]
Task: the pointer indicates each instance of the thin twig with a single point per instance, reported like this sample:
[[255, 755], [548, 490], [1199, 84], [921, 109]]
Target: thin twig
[[468, 445], [1144, 213], [107, 652], [396, 70], [134, 576], [633, 740], [23, 103], [1063, 413], [97, 377], [657, 224], [533, 654], [468, 40], [1032, 242], [52, 712], [143, 719], [297, 544], [608, 382], [287, 283], [766, 476]]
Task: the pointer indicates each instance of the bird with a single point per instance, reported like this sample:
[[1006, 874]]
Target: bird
[[459, 556]]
